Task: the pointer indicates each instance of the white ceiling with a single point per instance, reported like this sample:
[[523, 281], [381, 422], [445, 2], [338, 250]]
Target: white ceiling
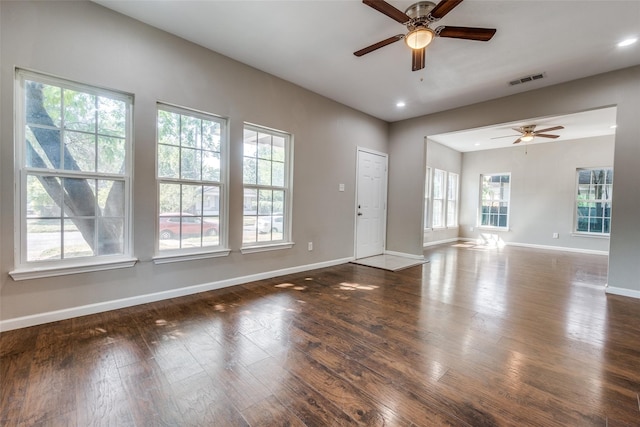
[[581, 125], [311, 43]]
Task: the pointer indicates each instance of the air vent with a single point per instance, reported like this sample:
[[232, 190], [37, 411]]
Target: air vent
[[527, 79]]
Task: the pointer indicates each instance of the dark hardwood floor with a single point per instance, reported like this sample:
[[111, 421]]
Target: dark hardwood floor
[[476, 337]]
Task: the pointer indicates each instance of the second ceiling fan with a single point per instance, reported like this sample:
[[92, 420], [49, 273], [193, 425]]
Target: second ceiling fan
[[418, 18]]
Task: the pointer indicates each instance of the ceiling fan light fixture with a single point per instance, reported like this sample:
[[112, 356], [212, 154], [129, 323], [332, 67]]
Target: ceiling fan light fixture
[[419, 38], [527, 137]]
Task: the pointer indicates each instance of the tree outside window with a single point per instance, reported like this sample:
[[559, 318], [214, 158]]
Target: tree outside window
[[494, 203], [190, 178], [593, 200], [74, 170]]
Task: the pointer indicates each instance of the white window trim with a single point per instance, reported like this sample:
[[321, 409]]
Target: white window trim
[[287, 241], [266, 247], [427, 221], [480, 199], [222, 249], [588, 234], [443, 215], [591, 235], [456, 223], [24, 269], [166, 259], [86, 267]]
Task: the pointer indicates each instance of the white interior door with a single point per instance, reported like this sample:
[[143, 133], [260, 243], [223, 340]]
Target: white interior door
[[371, 203]]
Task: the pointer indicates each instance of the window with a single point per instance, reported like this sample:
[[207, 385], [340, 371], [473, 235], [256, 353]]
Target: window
[[593, 200], [452, 200], [266, 176], [438, 198], [190, 178], [494, 201], [427, 199], [73, 144]]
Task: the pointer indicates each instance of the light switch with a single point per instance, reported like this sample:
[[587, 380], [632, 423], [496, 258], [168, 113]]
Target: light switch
[[340, 187]]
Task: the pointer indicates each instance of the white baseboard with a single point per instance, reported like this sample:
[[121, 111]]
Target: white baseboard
[[405, 255], [622, 292], [546, 247], [558, 248], [68, 313]]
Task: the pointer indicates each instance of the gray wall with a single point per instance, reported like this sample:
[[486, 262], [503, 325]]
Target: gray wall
[[620, 88], [84, 42], [543, 182], [446, 159]]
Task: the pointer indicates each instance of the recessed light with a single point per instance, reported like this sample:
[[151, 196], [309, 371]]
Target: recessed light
[[613, 126], [477, 144], [627, 42], [400, 104]]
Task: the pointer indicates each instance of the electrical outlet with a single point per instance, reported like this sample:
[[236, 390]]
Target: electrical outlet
[[555, 235], [310, 246]]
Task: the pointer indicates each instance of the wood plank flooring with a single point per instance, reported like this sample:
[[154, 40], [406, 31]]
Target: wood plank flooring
[[476, 337]]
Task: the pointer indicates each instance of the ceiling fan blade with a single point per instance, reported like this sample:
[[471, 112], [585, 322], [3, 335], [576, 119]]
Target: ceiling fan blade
[[444, 7], [549, 129], [543, 135], [378, 45], [384, 7], [417, 59], [517, 141], [518, 130], [506, 136], [467, 33]]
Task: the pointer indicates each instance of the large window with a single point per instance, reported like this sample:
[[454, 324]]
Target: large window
[[439, 191], [190, 178], [74, 166], [427, 199], [266, 178], [494, 200], [593, 200], [452, 199]]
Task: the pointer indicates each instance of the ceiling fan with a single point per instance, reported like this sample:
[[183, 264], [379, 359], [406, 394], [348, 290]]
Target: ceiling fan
[[528, 132], [418, 18]]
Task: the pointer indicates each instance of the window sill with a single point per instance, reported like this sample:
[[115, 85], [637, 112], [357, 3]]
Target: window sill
[[444, 227], [265, 248], [178, 257], [590, 235], [50, 271], [484, 227]]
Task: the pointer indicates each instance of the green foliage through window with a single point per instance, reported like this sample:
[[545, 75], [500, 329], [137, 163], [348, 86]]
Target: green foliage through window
[[190, 178], [74, 152], [495, 196], [593, 200], [265, 185]]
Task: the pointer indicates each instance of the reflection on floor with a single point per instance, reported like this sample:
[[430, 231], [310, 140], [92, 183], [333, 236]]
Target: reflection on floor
[[389, 262]]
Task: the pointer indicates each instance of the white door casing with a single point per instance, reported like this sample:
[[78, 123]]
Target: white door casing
[[371, 203]]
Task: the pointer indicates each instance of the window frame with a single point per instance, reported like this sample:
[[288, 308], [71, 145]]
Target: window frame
[[24, 268], [442, 217], [608, 201], [286, 242], [427, 200], [163, 256], [454, 200], [502, 200]]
